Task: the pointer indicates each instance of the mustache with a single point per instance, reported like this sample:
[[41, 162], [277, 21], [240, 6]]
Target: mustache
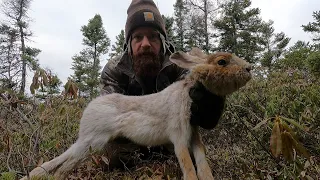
[[146, 53]]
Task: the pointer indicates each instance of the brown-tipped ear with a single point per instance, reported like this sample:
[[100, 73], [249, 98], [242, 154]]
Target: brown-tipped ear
[[197, 52], [185, 60]]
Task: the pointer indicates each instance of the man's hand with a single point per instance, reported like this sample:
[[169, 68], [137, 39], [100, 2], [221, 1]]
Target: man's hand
[[206, 108]]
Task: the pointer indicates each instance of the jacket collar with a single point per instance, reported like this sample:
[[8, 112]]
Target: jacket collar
[[125, 64]]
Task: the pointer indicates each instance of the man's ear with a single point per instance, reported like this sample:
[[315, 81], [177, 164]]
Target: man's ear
[[185, 60]]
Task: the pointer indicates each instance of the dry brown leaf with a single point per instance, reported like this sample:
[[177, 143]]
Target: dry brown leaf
[[298, 147], [74, 90], [35, 81], [288, 129], [32, 89], [45, 80], [287, 149], [276, 140]]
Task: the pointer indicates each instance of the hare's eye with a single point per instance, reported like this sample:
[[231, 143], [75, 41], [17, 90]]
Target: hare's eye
[[222, 62]]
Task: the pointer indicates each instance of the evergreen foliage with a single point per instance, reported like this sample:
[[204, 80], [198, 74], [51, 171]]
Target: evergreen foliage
[[86, 65]]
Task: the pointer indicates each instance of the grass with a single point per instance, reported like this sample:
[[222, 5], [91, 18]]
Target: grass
[[235, 149]]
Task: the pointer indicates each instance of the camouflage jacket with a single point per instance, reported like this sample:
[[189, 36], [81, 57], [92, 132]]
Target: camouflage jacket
[[118, 77]]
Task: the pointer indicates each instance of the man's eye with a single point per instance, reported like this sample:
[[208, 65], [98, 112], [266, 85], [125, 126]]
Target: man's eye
[[138, 37], [153, 37]]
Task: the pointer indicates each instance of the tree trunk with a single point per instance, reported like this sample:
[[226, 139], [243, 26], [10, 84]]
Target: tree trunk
[[8, 57], [23, 49], [93, 68], [234, 47], [206, 25], [24, 63]]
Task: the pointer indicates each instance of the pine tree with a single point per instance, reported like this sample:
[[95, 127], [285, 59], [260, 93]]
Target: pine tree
[[195, 35], [314, 27], [201, 15], [17, 13], [31, 57], [168, 21], [117, 47], [180, 24], [9, 58], [96, 44], [81, 66], [313, 60], [274, 43], [239, 29]]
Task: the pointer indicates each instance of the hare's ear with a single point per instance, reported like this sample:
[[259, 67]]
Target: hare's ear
[[185, 60], [197, 52]]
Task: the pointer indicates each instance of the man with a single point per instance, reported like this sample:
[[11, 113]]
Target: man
[[144, 68]]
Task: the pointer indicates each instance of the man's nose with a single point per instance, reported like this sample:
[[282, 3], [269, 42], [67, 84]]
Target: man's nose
[[145, 42]]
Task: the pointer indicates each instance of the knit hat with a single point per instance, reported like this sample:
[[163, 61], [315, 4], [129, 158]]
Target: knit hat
[[143, 13]]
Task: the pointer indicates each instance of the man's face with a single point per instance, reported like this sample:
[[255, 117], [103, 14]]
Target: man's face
[[146, 45]]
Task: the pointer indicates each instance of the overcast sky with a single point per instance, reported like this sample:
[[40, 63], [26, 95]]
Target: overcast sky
[[56, 24]]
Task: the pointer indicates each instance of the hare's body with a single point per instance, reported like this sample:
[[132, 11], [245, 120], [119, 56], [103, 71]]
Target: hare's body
[[146, 120], [155, 119]]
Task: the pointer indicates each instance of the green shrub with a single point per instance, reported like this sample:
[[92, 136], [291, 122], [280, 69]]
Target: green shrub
[[313, 63], [238, 148]]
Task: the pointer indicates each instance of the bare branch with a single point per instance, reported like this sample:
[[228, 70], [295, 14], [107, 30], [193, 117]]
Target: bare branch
[[8, 158], [196, 5], [4, 96], [24, 117]]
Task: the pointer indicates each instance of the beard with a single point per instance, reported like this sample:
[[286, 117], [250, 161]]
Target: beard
[[147, 64]]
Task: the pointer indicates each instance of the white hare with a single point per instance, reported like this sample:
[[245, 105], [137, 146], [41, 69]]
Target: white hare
[[155, 119]]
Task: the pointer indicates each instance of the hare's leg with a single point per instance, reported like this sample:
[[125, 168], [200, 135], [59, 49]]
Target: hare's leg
[[51, 166], [183, 155], [203, 169], [80, 152]]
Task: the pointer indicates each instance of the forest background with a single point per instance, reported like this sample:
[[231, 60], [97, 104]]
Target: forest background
[[270, 128]]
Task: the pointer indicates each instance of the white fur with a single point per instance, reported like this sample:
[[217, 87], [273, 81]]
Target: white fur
[[149, 120]]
